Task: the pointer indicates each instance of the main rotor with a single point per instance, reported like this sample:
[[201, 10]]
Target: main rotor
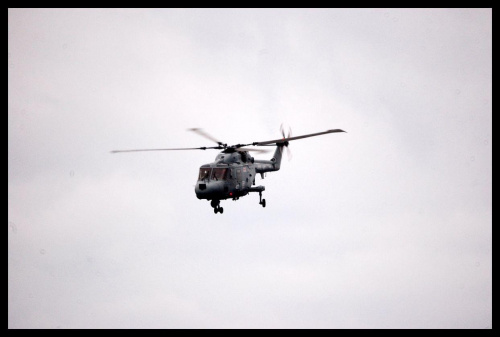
[[237, 147]]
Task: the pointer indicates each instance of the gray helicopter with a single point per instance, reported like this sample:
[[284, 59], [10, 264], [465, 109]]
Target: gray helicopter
[[232, 174]]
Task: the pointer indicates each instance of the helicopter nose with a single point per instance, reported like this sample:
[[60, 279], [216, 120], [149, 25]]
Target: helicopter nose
[[208, 190]]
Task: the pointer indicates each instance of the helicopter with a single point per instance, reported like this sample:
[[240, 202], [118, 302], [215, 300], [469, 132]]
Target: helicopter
[[232, 174]]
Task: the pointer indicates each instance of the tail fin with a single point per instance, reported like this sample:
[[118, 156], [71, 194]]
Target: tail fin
[[262, 166], [278, 154]]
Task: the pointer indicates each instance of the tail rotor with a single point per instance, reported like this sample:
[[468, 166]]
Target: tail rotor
[[285, 141]]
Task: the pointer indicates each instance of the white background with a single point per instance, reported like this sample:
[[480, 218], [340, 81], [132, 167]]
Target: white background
[[385, 226]]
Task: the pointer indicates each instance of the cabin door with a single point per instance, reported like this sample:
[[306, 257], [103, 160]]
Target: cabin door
[[238, 178]]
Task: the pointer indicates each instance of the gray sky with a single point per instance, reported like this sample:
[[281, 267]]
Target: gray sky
[[386, 226]]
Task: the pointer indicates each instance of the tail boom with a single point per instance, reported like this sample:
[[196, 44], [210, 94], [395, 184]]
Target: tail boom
[[262, 166]]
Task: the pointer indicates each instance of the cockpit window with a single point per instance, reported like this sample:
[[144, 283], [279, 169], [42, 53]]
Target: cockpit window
[[219, 174], [204, 173]]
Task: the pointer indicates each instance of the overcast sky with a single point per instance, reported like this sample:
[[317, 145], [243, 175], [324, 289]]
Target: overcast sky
[[386, 226]]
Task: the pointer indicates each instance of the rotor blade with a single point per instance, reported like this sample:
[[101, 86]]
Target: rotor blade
[[252, 150], [182, 148], [277, 141], [206, 135], [289, 153]]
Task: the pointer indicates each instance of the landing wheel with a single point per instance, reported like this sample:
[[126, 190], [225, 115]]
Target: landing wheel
[[262, 201], [218, 209]]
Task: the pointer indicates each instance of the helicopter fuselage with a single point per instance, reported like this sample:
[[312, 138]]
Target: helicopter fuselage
[[232, 175]]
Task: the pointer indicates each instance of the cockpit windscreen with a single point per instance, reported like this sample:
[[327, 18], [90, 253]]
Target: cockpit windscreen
[[219, 173]]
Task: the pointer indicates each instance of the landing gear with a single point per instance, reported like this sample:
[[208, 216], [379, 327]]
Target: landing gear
[[262, 201], [216, 205], [259, 189]]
